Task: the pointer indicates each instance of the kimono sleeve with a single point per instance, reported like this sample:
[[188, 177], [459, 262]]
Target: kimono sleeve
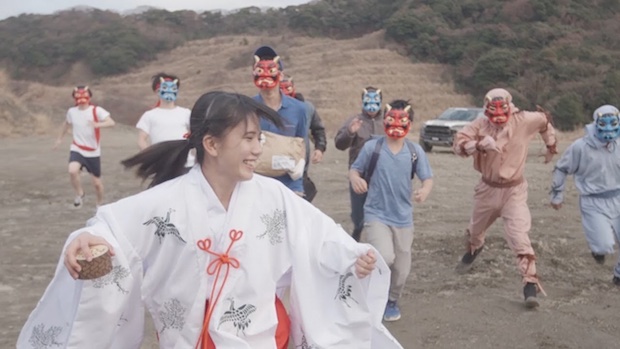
[[325, 286], [102, 313]]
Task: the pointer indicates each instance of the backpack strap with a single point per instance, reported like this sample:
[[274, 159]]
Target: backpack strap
[[373, 159], [414, 157], [97, 133]]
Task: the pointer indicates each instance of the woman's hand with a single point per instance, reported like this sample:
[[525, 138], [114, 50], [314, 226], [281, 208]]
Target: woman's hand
[[82, 243], [365, 264]]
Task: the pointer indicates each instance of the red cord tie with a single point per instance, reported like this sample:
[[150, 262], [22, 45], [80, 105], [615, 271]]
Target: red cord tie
[[214, 268]]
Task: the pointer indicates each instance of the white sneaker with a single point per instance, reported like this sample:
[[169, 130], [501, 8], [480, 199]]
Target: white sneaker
[[77, 202]]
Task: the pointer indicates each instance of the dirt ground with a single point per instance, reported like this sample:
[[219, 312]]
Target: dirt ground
[[481, 310]]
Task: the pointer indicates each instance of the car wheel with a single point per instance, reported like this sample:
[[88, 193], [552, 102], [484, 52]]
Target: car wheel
[[427, 147]]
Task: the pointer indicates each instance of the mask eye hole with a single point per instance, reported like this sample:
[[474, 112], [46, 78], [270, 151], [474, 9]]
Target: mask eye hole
[[601, 123]]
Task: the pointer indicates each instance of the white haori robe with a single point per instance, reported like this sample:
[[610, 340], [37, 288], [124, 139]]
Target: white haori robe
[[159, 265]]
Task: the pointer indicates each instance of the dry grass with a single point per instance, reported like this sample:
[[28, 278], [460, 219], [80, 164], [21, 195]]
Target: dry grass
[[330, 73], [17, 116]]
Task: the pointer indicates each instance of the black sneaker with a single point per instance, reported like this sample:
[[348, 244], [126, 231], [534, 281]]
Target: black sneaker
[[616, 280], [529, 293], [599, 258], [468, 260]]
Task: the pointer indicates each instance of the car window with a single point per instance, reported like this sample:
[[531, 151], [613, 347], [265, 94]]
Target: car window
[[459, 114]]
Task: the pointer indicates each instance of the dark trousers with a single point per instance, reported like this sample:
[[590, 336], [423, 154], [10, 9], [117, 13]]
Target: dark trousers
[[357, 213], [309, 188]]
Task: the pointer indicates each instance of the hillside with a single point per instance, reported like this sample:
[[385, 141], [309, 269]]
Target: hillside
[[19, 117], [562, 54], [331, 73]]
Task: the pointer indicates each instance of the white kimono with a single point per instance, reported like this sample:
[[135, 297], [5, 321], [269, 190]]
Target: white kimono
[[158, 264]]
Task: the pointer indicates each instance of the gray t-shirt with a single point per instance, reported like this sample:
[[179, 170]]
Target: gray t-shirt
[[391, 187]]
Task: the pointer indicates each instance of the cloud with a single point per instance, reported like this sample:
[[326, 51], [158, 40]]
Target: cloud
[[13, 8]]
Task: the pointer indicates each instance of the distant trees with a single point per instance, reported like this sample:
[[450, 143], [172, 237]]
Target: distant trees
[[563, 54]]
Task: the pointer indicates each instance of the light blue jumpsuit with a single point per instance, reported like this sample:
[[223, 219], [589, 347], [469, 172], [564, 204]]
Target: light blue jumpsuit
[[596, 169]]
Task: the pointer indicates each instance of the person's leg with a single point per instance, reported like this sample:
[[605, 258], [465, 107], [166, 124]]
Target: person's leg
[[74, 175], [616, 227], [309, 188], [403, 241], [357, 213], [74, 168], [381, 237], [98, 183], [93, 165], [517, 225], [485, 212], [597, 228]]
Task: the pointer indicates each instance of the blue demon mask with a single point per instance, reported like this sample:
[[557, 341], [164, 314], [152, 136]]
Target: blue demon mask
[[607, 122], [168, 90], [371, 101]]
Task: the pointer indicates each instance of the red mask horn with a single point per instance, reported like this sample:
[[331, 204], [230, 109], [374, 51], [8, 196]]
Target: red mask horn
[[396, 121]]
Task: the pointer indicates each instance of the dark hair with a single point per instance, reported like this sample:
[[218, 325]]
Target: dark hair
[[82, 87], [214, 113], [267, 53], [401, 104], [156, 80]]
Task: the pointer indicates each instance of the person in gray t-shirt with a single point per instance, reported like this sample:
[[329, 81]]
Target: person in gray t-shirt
[[384, 169]]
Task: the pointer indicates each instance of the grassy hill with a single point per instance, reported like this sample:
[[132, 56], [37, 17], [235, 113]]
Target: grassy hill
[[561, 54], [330, 73]]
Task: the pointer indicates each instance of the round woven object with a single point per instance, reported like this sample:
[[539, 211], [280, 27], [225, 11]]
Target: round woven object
[[99, 266]]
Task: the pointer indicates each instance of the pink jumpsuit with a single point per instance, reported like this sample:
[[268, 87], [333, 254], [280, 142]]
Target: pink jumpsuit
[[502, 191]]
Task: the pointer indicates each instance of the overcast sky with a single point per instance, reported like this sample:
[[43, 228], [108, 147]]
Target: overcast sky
[[15, 7]]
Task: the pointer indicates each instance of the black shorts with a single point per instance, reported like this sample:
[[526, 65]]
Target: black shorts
[[92, 165]]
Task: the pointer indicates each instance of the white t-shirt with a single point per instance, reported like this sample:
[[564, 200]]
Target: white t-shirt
[[166, 125], [83, 131]]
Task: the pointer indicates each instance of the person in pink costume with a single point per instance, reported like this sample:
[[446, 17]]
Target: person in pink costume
[[499, 145]]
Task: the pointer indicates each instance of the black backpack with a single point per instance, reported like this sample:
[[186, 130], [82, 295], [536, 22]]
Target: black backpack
[[375, 157]]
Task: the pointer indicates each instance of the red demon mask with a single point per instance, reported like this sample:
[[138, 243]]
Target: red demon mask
[[81, 95], [266, 73], [288, 87], [497, 106], [397, 122]]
